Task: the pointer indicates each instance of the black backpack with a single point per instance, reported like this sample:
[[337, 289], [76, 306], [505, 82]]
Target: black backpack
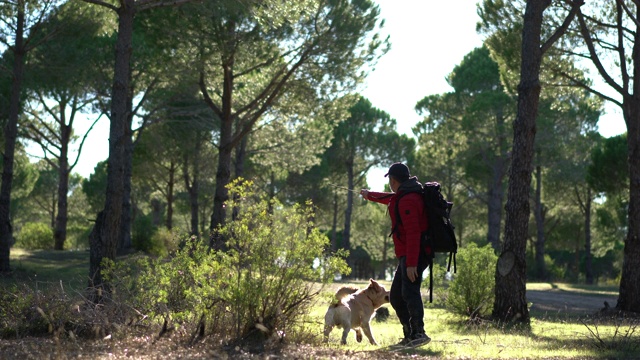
[[440, 236]]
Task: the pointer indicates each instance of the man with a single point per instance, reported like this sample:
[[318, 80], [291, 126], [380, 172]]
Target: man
[[408, 222]]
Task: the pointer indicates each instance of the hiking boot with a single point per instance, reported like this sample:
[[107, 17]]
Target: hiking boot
[[418, 340], [403, 342]]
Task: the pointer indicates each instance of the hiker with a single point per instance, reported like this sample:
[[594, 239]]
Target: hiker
[[405, 297]]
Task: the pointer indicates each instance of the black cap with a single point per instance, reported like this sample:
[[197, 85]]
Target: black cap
[[399, 171]]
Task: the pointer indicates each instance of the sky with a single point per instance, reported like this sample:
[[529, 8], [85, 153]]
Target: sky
[[428, 39]]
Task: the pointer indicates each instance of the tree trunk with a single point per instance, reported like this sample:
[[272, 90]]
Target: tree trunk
[[60, 232], [588, 263], [106, 232], [193, 199], [241, 154], [496, 196], [496, 187], [124, 240], [10, 136], [223, 174], [156, 212], [539, 213], [510, 293], [241, 157], [54, 201], [629, 295], [192, 186], [346, 232], [171, 185], [334, 225]]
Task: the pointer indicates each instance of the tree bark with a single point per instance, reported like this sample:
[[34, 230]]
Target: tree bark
[[106, 232], [510, 293], [223, 174], [54, 202], [10, 137], [170, 197], [241, 155], [539, 213], [629, 294], [124, 240], [223, 177], [156, 212], [192, 186], [496, 187], [346, 232], [496, 197], [588, 263], [334, 223], [60, 232]]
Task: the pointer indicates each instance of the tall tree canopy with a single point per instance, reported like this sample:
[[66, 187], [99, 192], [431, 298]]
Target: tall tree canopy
[[107, 230], [367, 138], [605, 34], [59, 79], [479, 110], [510, 300], [248, 59], [20, 35]]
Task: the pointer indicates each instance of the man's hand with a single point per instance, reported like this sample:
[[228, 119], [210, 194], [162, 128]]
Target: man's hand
[[365, 193], [412, 273]]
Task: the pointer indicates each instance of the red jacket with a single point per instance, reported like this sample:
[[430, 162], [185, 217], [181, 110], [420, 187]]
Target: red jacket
[[406, 237]]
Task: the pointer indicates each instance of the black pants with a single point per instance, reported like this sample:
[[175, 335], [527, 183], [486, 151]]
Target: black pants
[[405, 297]]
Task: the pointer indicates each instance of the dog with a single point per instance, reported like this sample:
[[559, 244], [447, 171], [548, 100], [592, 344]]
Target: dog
[[354, 309]]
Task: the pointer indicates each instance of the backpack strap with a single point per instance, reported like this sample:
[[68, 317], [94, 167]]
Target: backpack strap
[[397, 210], [431, 279]]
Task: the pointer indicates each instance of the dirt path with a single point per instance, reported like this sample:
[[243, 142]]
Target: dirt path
[[563, 301]]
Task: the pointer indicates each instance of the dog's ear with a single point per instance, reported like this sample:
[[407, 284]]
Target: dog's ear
[[374, 284]]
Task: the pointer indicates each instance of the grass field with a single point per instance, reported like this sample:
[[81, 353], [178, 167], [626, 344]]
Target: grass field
[[557, 336], [49, 268], [561, 336]]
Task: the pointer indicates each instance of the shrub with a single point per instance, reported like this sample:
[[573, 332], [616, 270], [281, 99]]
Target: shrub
[[78, 236], [262, 285], [142, 233], [471, 292], [26, 311], [35, 236], [555, 272], [163, 242]]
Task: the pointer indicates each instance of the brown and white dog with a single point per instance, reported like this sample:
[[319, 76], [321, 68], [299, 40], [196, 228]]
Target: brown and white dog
[[354, 309]]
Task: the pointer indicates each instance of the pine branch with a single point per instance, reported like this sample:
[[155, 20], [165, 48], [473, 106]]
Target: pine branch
[[102, 3], [575, 6]]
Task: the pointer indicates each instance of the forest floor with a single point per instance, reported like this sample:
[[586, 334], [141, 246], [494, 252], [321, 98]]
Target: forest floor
[[547, 300], [556, 303]]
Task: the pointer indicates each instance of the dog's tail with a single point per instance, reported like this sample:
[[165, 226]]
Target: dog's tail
[[345, 291]]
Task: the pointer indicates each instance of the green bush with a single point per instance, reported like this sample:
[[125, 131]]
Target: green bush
[[35, 236], [142, 235], [264, 283], [555, 272], [555, 267], [163, 242], [471, 292], [153, 240], [26, 311], [78, 236]]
